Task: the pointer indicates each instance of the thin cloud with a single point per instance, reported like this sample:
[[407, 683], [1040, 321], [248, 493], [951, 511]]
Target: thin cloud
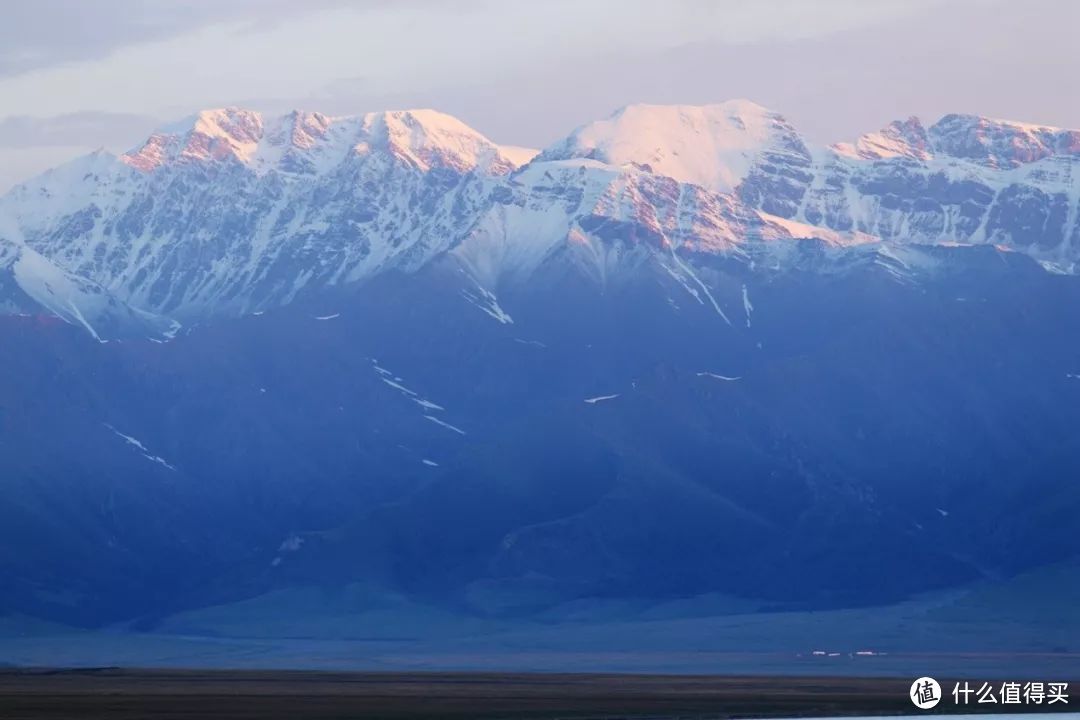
[[91, 129], [834, 87], [47, 33]]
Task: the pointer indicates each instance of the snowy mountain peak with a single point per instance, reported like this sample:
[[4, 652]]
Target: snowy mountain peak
[[208, 135], [303, 142], [714, 146], [299, 129], [237, 125], [431, 139], [1001, 143], [902, 138]]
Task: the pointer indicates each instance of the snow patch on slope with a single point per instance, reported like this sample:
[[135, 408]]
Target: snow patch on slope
[[683, 273], [714, 376], [486, 301], [141, 448], [748, 307], [398, 384], [785, 228], [446, 425]]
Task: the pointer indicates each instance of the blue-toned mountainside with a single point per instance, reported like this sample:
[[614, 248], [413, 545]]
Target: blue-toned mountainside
[[680, 352]]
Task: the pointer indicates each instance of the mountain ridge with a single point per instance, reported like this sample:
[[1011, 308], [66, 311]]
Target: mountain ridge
[[230, 211]]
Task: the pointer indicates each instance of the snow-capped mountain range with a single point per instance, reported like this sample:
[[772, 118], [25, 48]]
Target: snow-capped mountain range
[[231, 212], [682, 351]]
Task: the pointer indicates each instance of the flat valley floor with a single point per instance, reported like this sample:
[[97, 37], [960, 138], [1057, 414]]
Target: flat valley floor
[[90, 694]]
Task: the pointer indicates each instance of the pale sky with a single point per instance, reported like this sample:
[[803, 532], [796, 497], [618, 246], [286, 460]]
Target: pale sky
[[76, 75]]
